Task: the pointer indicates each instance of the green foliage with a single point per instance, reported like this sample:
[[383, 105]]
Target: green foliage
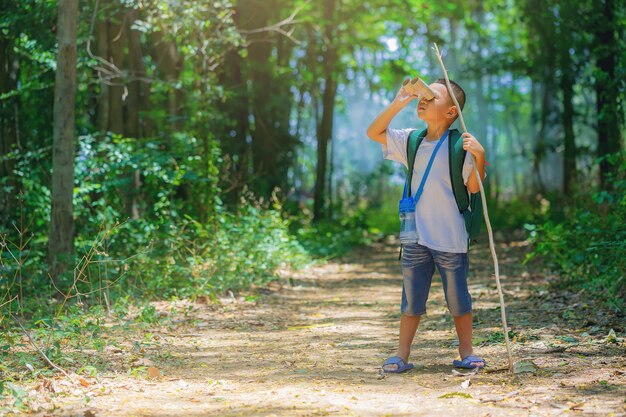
[[328, 239], [18, 393], [148, 315], [177, 247], [384, 218], [588, 248], [254, 243], [233, 252], [517, 213]]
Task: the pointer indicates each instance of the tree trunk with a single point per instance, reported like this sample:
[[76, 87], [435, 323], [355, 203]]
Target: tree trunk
[[281, 111], [264, 148], [133, 108], [331, 144], [540, 149], [569, 155], [170, 63], [481, 100], [102, 122], [567, 81], [9, 132], [61, 238], [325, 128], [606, 49], [510, 154], [236, 111], [135, 69], [522, 186], [117, 33]]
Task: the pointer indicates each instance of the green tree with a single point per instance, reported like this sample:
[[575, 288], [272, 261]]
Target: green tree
[[607, 27], [61, 239]]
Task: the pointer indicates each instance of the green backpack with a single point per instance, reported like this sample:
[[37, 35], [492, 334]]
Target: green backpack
[[469, 206]]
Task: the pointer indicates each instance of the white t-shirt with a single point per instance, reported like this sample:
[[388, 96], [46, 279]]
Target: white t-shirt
[[440, 226]]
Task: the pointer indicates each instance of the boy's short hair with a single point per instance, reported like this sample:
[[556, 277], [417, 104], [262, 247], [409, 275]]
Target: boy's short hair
[[458, 91]]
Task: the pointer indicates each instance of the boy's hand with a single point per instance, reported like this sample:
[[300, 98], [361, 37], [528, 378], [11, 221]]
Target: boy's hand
[[471, 144], [404, 96]]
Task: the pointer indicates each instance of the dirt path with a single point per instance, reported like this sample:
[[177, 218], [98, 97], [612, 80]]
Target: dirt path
[[315, 348]]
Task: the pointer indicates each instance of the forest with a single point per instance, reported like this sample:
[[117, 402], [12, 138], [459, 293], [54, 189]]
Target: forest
[[184, 153]]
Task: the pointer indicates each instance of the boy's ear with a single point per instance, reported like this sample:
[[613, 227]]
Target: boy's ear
[[452, 112]]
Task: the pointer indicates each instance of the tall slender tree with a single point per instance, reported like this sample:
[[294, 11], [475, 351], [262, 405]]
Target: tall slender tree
[[567, 82], [9, 132], [61, 238], [606, 52], [102, 40], [325, 126]]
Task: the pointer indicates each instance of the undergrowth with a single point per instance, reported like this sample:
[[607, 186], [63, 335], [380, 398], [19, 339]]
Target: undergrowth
[[587, 248]]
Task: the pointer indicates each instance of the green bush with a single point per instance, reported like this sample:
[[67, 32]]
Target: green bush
[[516, 213], [184, 243], [588, 248], [383, 218], [188, 258], [330, 238]]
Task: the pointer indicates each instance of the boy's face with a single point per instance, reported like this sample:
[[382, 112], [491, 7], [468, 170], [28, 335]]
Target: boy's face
[[438, 109]]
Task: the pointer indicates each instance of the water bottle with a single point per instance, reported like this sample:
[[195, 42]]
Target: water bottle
[[408, 228]]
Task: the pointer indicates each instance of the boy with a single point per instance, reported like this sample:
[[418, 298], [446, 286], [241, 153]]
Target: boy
[[443, 239]]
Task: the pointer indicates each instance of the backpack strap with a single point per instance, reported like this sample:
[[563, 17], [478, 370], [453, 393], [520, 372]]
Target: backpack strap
[[456, 155], [470, 206], [413, 142]]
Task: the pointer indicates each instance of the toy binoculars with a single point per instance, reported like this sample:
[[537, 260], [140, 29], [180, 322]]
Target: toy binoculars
[[419, 88]]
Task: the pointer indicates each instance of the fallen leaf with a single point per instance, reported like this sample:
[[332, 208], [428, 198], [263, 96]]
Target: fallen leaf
[[578, 406], [143, 362], [455, 394], [48, 385], [497, 398], [153, 372], [112, 349], [612, 337], [465, 384], [524, 367], [83, 382], [569, 339], [466, 373], [310, 326], [557, 349]]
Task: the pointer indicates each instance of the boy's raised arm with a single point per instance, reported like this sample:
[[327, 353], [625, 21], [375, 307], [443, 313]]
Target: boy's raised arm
[[378, 129]]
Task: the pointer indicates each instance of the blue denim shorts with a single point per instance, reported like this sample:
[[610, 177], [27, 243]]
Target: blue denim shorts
[[418, 267]]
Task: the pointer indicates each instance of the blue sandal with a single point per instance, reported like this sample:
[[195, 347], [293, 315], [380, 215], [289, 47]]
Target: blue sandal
[[401, 366], [467, 362]]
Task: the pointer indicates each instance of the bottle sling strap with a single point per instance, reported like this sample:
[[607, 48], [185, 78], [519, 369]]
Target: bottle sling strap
[[420, 189], [469, 205]]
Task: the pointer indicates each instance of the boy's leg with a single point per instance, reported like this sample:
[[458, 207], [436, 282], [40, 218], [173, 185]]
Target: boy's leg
[[408, 328], [463, 326], [453, 268], [418, 268]]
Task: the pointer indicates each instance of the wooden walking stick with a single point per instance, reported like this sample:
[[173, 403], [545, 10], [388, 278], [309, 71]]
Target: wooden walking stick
[[485, 212]]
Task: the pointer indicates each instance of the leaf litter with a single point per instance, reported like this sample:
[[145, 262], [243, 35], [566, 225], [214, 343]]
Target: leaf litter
[[229, 365]]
